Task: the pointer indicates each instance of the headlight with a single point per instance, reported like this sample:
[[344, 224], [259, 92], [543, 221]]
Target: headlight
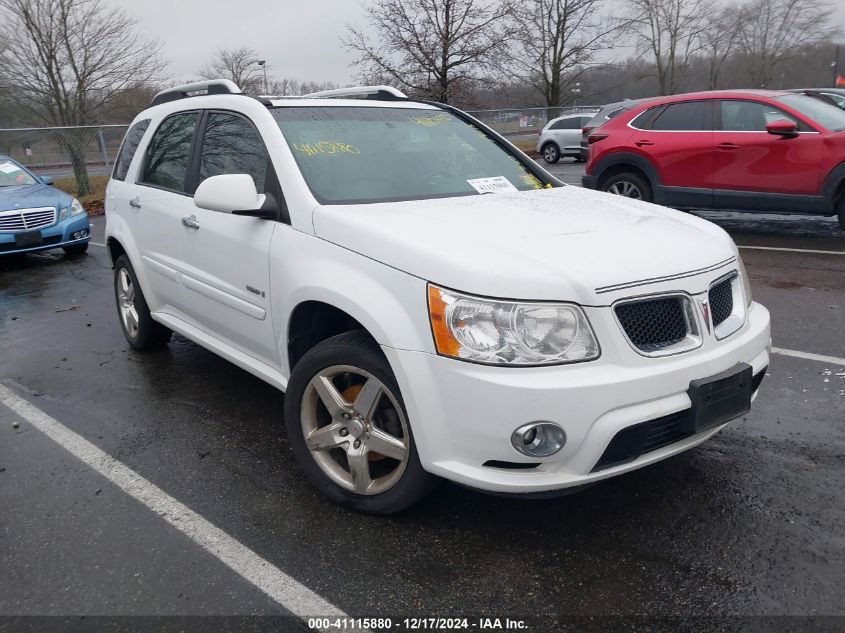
[[509, 333], [74, 209], [746, 282]]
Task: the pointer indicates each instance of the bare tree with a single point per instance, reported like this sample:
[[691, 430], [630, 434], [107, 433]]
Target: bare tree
[[432, 48], [68, 60], [775, 30], [236, 64], [555, 42], [720, 39], [287, 86], [669, 31]]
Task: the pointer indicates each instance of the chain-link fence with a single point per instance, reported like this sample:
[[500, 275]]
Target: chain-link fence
[[79, 157], [525, 121]]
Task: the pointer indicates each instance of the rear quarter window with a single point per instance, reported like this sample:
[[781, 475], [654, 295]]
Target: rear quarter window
[[128, 148]]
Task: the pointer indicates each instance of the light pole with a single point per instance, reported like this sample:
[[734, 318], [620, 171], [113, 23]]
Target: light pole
[[576, 92], [263, 64]]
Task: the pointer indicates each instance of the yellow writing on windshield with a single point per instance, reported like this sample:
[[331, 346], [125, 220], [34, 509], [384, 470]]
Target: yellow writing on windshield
[[325, 147], [431, 121]]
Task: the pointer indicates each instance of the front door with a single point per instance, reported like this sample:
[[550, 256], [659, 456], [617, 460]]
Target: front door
[[226, 257], [755, 170]]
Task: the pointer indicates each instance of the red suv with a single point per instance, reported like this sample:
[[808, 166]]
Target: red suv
[[746, 150]]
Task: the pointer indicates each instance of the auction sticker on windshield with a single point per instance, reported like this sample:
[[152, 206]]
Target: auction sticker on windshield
[[497, 184]]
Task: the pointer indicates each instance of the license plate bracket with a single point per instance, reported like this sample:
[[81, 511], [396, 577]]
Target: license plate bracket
[[29, 238], [720, 398]]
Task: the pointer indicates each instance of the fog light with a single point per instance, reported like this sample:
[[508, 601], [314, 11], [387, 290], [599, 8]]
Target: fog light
[[78, 235], [538, 439]]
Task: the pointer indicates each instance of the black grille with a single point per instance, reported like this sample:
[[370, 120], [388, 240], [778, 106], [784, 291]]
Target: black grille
[[721, 301], [654, 324]]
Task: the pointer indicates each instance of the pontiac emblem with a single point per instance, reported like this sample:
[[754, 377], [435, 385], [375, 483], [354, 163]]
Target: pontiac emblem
[[705, 312]]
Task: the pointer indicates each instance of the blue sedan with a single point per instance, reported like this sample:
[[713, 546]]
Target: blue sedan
[[35, 216]]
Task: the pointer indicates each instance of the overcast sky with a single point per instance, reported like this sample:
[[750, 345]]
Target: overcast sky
[[299, 38]]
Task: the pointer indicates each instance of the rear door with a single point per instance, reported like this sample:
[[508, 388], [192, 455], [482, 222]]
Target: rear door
[[567, 134], [156, 205], [226, 262], [755, 170], [678, 140]]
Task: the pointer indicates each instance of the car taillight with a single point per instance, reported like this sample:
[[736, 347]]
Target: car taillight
[[594, 138], [587, 130]]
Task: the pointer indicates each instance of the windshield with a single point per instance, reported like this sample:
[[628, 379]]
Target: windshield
[[824, 114], [365, 154], [12, 174]]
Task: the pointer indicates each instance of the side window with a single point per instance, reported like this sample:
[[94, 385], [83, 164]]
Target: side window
[[567, 124], [232, 145], [128, 148], [686, 116], [750, 116], [169, 152]]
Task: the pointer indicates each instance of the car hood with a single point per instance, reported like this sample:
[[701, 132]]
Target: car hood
[[553, 244], [30, 196]]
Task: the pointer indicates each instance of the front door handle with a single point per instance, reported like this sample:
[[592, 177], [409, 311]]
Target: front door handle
[[643, 143], [191, 222], [135, 203], [727, 146]]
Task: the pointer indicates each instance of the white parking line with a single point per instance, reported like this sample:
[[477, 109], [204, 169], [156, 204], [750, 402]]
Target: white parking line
[[833, 360], [792, 250], [286, 591], [97, 244]]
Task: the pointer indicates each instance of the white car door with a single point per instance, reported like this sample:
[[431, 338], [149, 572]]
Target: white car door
[[226, 257], [155, 205]]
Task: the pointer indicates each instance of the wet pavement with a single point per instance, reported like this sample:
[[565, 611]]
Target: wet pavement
[[751, 523]]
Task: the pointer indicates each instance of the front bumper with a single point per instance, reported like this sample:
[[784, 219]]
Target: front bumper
[[57, 236], [463, 414]]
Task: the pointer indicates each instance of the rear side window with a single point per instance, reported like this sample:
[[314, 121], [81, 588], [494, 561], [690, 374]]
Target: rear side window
[[686, 116], [567, 124], [232, 145], [169, 152], [128, 148]]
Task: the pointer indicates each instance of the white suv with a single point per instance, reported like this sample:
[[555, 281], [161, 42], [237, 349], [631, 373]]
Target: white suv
[[432, 302]]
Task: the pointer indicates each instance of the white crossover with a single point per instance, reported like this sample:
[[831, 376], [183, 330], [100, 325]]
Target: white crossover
[[433, 303]]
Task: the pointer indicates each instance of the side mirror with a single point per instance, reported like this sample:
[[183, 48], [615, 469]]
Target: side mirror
[[47, 180], [232, 193], [782, 127]]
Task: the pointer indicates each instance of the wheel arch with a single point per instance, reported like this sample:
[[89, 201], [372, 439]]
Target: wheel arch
[[833, 188], [622, 162], [311, 322]]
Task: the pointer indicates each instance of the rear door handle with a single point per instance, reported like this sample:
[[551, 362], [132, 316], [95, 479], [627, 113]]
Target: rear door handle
[[643, 143], [727, 146], [135, 203], [191, 222]]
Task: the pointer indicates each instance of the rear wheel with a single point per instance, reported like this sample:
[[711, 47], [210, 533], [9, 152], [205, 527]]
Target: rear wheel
[[349, 430], [840, 208], [551, 153], [138, 326], [628, 185]]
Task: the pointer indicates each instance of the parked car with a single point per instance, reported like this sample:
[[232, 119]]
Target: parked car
[[433, 303], [744, 150], [835, 96], [562, 137], [35, 216], [601, 117]]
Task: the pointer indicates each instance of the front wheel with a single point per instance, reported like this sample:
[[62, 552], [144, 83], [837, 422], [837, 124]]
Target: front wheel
[[138, 326], [551, 154], [347, 424], [628, 185]]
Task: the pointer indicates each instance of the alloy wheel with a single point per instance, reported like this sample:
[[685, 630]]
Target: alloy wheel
[[126, 303], [355, 429], [626, 189]]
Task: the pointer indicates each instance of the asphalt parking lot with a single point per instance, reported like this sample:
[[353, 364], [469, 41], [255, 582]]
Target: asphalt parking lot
[[750, 524]]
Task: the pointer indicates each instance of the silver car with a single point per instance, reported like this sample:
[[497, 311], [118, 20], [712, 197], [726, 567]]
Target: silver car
[[562, 137]]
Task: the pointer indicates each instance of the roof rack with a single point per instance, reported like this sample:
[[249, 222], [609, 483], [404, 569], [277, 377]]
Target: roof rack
[[380, 93], [209, 87]]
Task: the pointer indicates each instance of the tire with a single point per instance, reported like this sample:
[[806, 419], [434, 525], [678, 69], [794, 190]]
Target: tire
[[138, 327], [551, 153], [76, 250], [341, 367], [629, 185], [580, 159]]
